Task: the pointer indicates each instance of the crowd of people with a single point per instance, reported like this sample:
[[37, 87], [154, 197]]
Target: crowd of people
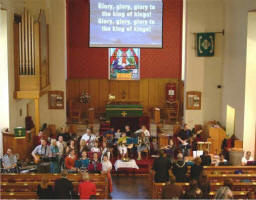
[[66, 152]]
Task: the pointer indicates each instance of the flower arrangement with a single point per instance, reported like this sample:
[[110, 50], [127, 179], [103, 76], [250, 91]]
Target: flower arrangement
[[84, 98]]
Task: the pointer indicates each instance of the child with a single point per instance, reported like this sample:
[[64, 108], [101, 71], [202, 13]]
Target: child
[[95, 148]]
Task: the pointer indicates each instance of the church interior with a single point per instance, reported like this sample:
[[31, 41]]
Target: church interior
[[125, 99]]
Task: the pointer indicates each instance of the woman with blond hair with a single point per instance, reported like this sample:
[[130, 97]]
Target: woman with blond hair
[[44, 190], [54, 157], [86, 188]]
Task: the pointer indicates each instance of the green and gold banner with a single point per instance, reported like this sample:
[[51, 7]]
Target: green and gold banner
[[205, 44]]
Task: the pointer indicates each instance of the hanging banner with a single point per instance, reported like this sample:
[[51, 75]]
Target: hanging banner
[[124, 63], [205, 44]]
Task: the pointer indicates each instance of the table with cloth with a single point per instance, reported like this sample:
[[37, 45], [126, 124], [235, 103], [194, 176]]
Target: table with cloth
[[126, 164]]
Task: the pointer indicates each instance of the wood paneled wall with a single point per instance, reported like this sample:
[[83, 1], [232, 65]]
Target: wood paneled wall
[[149, 92]]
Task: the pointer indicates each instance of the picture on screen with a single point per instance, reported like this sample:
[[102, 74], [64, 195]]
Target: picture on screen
[[124, 63], [126, 23]]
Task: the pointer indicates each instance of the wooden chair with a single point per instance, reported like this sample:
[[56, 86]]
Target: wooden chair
[[75, 111]]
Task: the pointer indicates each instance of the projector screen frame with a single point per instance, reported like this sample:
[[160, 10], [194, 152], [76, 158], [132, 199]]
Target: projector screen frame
[[126, 45]]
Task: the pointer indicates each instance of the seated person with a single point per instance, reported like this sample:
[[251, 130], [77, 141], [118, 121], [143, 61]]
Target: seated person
[[83, 162], [247, 157], [89, 138], [128, 131], [9, 162], [179, 169], [143, 144], [206, 159], [105, 150], [95, 147], [95, 164], [70, 161], [196, 169], [172, 190], [110, 132], [117, 135], [225, 149], [122, 145], [194, 192], [144, 130], [169, 149], [222, 161]]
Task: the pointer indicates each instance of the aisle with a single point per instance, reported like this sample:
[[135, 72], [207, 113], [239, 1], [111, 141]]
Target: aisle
[[131, 187]]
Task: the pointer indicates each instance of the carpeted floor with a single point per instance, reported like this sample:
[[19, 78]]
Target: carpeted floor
[[131, 187]]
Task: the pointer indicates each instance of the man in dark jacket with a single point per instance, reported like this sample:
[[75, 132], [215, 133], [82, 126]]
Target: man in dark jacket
[[63, 187], [179, 169], [161, 167]]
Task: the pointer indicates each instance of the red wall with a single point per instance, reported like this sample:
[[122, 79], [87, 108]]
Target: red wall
[[85, 62]]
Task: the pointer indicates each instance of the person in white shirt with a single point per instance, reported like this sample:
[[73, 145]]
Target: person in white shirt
[[89, 138], [62, 145], [247, 158], [143, 130], [104, 150]]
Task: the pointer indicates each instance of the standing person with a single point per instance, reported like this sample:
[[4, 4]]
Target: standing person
[[54, 157], [161, 168], [89, 138], [71, 145], [106, 169], [44, 190], [63, 187], [82, 146], [247, 158], [62, 145], [184, 137], [86, 188], [9, 162], [196, 169], [41, 156], [172, 190], [179, 169]]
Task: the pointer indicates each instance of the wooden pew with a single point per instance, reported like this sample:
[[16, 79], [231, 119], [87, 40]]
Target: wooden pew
[[239, 189], [227, 169], [32, 187], [236, 194], [234, 177], [25, 195], [29, 182], [18, 195], [51, 177]]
